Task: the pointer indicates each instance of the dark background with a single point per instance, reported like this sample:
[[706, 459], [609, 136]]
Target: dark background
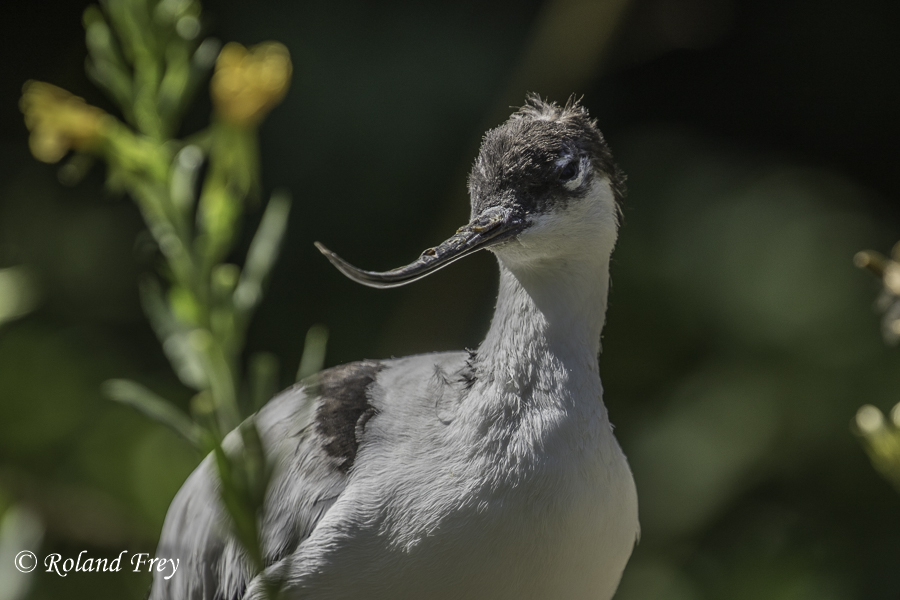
[[760, 139]]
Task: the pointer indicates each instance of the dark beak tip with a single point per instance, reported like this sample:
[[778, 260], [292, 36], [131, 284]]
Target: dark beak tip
[[330, 255], [490, 227]]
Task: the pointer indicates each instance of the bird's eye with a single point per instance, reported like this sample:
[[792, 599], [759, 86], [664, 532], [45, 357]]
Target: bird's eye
[[570, 171], [571, 175]]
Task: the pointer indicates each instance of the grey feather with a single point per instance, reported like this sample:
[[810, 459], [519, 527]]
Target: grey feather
[[312, 432]]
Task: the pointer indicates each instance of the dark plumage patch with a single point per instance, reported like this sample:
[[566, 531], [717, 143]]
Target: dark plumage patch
[[468, 374], [344, 408], [525, 161]]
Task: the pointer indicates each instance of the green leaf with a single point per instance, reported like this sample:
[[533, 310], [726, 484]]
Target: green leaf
[[233, 494], [183, 178], [105, 65], [263, 378], [245, 474], [221, 377], [140, 398], [174, 84], [314, 348], [174, 337], [262, 253]]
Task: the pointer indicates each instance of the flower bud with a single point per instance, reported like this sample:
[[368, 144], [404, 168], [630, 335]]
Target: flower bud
[[248, 83], [59, 121]]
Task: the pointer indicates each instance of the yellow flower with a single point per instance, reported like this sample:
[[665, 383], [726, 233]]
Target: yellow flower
[[247, 84], [58, 121]]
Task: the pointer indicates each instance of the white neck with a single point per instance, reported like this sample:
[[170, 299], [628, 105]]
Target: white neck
[[536, 372], [545, 317], [551, 307]]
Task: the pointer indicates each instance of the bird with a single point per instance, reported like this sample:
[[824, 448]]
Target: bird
[[491, 473]]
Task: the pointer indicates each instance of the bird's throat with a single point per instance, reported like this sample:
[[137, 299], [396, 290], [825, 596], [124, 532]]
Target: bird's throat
[[547, 318]]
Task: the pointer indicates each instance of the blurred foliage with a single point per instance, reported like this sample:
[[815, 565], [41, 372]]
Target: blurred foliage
[[18, 293], [881, 438], [760, 143], [148, 57], [743, 437]]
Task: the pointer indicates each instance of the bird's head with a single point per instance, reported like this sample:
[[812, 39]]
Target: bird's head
[[544, 188]]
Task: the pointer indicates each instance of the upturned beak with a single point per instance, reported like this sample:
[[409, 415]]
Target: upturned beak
[[492, 226]]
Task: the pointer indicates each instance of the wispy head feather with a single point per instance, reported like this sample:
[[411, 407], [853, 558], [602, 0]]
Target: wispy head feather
[[537, 108]]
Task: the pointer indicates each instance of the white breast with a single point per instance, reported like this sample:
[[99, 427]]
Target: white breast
[[557, 520]]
